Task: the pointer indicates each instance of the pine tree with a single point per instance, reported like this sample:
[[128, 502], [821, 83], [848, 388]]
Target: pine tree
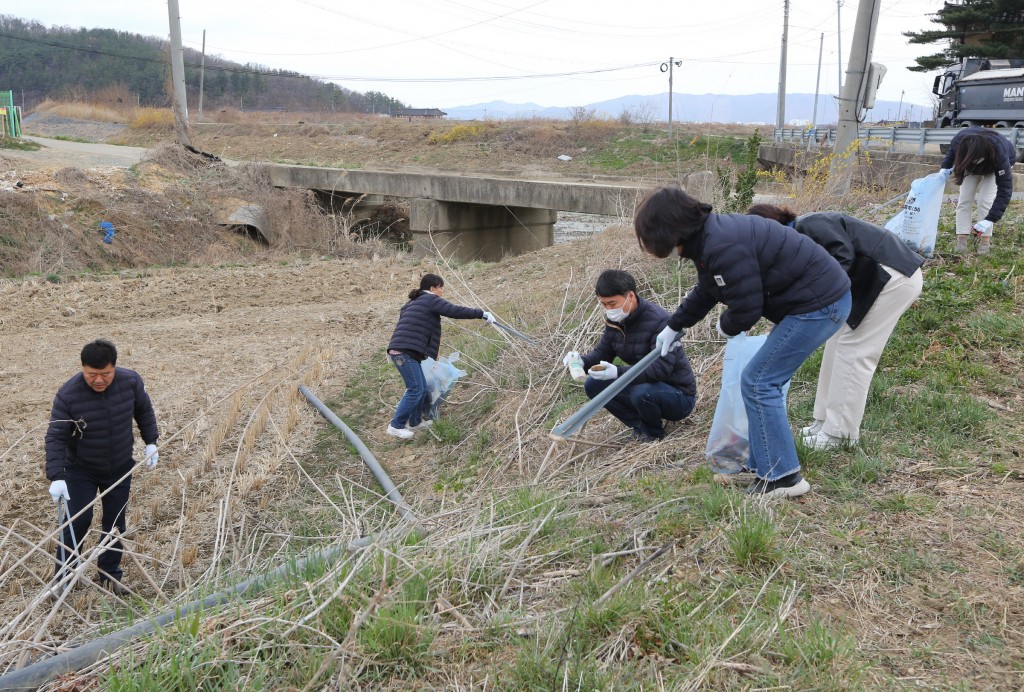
[[975, 29]]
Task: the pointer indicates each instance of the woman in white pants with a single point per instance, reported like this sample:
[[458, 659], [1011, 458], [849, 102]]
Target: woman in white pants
[[981, 161], [885, 277]]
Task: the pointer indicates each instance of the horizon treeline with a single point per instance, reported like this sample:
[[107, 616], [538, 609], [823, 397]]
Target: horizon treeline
[[64, 63]]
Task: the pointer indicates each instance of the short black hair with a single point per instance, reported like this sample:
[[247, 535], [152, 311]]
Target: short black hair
[[614, 282], [99, 354], [666, 218]]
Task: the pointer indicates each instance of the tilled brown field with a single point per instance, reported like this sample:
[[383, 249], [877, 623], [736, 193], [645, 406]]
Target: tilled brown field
[[222, 352]]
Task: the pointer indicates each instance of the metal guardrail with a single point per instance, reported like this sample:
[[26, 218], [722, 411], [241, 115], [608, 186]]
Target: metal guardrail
[[886, 137]]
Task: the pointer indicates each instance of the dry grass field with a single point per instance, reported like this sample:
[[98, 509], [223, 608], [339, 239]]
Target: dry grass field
[[606, 565]]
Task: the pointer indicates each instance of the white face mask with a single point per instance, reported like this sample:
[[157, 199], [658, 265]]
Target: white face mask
[[615, 314]]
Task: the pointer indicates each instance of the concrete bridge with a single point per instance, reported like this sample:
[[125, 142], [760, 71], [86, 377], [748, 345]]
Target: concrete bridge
[[470, 216]]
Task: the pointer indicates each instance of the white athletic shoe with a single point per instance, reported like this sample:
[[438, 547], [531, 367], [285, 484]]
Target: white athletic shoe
[[824, 442], [400, 433], [423, 425], [812, 429]]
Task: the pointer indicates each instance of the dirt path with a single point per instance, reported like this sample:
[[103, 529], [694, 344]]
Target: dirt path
[[58, 153]]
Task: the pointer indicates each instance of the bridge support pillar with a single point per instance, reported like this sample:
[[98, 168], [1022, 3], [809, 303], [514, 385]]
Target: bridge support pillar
[[478, 231]]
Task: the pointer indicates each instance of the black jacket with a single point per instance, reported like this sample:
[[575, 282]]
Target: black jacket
[[634, 338], [860, 248], [1003, 167], [93, 430], [757, 268], [418, 331]]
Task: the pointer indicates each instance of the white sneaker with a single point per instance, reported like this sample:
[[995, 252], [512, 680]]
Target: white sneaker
[[423, 425], [823, 441], [812, 429], [401, 433]]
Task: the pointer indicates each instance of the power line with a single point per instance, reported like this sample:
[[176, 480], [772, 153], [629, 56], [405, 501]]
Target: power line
[[352, 78]]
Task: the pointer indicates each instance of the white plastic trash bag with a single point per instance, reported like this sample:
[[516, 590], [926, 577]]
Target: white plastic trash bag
[[728, 449], [917, 223], [440, 375]]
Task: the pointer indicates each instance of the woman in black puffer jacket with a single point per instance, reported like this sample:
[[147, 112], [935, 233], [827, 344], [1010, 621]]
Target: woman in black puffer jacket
[[757, 268], [418, 336]]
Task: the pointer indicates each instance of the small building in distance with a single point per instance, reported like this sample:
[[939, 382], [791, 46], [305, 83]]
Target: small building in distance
[[411, 113]]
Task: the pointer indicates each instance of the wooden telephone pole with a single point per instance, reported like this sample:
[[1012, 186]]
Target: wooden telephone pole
[[180, 104]]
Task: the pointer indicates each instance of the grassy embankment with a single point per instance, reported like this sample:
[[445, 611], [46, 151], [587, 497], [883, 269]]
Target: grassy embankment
[[904, 566]]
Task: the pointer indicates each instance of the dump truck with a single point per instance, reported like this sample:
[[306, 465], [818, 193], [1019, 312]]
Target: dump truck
[[980, 91]]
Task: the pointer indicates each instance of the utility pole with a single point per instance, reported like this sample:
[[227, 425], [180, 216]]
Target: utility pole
[[780, 115], [667, 67], [180, 106], [202, 75], [900, 109], [844, 154], [839, 44], [817, 84]]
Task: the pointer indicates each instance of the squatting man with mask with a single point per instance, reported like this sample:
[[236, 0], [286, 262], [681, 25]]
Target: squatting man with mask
[[666, 390]]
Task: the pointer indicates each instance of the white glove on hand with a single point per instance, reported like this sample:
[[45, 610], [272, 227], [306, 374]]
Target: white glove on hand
[[569, 357], [668, 339], [609, 372], [59, 489], [489, 317], [982, 228], [946, 172], [718, 326], [151, 456]]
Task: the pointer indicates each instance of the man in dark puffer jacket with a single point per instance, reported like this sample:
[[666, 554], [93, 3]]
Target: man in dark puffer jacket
[[89, 448], [667, 390]]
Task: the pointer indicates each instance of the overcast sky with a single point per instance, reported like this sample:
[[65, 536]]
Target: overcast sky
[[437, 53]]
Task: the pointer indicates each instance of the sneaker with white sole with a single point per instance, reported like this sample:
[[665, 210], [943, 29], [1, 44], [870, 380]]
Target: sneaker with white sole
[[812, 429], [822, 441], [400, 433], [422, 425], [792, 485]]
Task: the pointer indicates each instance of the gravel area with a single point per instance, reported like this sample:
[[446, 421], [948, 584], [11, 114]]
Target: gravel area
[[46, 125]]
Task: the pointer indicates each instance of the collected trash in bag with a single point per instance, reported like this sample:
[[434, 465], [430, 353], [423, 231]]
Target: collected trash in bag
[[728, 449], [917, 224], [108, 231], [440, 375]]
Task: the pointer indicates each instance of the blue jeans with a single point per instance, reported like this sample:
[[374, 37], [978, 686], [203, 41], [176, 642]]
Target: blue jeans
[[772, 450], [83, 488], [413, 406], [643, 406]]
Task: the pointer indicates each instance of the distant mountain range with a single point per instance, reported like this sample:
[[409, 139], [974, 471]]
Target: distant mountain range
[[719, 108]]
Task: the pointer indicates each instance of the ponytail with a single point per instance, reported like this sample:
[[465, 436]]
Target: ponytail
[[427, 282]]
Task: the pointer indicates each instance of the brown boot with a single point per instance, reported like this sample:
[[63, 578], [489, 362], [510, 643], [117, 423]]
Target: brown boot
[[962, 239], [984, 245]]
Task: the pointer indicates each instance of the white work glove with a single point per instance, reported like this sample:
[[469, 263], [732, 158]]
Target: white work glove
[[718, 326], [569, 357], [945, 172], [489, 317], [982, 228], [59, 489], [668, 339], [151, 456], [610, 372], [727, 336]]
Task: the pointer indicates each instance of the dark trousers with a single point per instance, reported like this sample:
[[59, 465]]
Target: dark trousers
[[644, 406], [83, 488]]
